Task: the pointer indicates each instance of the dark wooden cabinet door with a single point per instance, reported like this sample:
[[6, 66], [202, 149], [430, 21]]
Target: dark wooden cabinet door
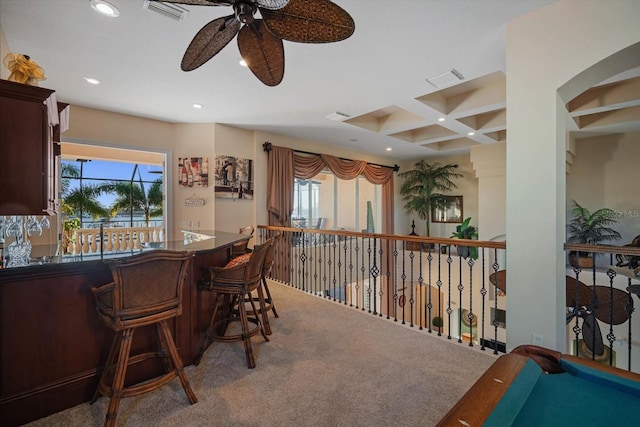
[[27, 163]]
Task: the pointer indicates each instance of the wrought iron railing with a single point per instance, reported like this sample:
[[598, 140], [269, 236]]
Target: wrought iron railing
[[600, 286], [420, 282]]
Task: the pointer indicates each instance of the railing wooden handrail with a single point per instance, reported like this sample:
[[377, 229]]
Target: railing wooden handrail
[[397, 237], [608, 249]]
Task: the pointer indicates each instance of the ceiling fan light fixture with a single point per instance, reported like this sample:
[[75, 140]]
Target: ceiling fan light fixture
[[244, 11], [273, 4], [105, 8], [243, 62]]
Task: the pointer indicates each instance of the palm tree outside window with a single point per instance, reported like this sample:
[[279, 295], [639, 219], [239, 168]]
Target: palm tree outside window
[[123, 194]]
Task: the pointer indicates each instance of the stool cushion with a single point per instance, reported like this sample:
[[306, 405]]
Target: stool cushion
[[238, 260]]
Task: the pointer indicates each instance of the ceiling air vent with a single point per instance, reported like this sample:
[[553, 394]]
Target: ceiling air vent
[[169, 10], [338, 116], [445, 79]]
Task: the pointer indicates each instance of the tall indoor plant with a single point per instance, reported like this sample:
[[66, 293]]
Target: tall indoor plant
[[590, 228], [423, 187]]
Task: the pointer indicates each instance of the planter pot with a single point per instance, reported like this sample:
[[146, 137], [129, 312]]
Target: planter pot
[[581, 261]]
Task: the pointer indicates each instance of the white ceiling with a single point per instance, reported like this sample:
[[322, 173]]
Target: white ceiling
[[397, 44]]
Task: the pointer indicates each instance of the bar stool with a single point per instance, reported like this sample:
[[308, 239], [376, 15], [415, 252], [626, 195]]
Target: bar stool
[[233, 285], [269, 305], [146, 290], [241, 248]]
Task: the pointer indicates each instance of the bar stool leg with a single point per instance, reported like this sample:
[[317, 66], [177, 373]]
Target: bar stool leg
[[163, 348], [174, 356], [118, 379], [209, 332], [266, 327], [246, 338], [108, 367], [269, 299]]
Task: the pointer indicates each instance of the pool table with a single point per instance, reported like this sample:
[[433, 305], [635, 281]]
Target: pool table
[[534, 386]]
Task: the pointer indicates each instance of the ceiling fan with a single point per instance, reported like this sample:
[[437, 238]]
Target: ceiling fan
[[260, 40]]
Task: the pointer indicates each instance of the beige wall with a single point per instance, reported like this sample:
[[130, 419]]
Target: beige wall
[[231, 214], [553, 54], [192, 140], [467, 188], [103, 128], [605, 174], [489, 165], [91, 126], [4, 49], [314, 147]]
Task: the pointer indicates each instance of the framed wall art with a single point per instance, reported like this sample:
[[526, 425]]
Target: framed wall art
[[449, 211], [233, 178], [193, 172]]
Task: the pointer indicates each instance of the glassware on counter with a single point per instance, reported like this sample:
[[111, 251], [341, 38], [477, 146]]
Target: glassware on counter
[[18, 252]]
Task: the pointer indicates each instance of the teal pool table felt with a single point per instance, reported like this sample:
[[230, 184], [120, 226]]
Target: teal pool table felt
[[579, 396]]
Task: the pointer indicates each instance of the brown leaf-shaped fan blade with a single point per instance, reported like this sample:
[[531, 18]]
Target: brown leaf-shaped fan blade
[[201, 2], [592, 335], [309, 21], [209, 41], [263, 52]]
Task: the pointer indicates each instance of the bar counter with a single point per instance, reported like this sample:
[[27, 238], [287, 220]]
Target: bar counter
[[53, 346]]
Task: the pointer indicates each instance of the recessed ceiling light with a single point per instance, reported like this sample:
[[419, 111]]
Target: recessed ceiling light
[[197, 106], [243, 62], [105, 8], [92, 81], [471, 133], [441, 119], [388, 148]]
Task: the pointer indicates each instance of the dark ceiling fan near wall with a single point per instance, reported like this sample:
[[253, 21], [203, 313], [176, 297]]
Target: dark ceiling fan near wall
[[260, 40]]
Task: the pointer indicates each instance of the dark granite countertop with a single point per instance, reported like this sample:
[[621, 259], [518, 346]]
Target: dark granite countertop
[[200, 241]]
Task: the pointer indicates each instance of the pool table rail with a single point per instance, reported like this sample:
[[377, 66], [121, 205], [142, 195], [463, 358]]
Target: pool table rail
[[479, 402]]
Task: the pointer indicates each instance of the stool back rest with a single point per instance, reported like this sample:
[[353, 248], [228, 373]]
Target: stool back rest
[[269, 257], [253, 270], [241, 247], [149, 283], [247, 230]]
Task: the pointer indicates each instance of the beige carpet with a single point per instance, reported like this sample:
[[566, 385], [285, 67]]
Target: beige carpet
[[326, 365]]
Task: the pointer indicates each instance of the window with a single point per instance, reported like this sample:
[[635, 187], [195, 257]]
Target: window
[[116, 193], [305, 203], [119, 191], [328, 202]]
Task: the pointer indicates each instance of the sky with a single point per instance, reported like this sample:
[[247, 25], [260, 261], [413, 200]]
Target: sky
[[110, 170]]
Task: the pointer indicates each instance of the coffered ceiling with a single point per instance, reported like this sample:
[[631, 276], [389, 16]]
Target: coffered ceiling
[[368, 93]]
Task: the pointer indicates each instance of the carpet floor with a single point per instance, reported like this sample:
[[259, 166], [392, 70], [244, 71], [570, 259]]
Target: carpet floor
[[326, 365]]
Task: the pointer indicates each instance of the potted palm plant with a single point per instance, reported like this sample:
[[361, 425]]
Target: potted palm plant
[[589, 228], [466, 231], [423, 187]]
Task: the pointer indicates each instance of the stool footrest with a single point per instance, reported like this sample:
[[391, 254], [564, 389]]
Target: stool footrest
[[235, 337]]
